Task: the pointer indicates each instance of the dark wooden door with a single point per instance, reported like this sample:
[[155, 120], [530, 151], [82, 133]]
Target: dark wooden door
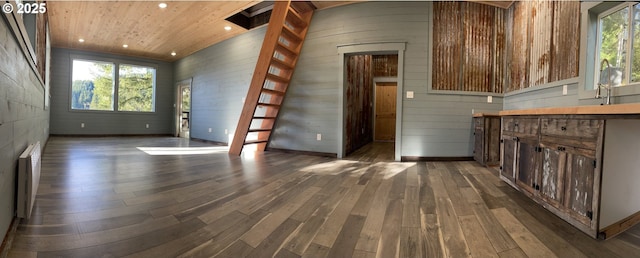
[[509, 148], [478, 147], [528, 165], [552, 176], [580, 192]]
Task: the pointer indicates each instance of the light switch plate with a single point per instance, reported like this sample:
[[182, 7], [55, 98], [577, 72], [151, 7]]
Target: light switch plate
[[409, 94], [319, 137], [489, 99], [564, 89]]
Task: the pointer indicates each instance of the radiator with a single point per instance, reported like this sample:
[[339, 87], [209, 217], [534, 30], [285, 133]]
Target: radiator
[[28, 179]]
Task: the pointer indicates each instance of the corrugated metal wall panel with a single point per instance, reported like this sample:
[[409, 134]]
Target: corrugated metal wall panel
[[447, 46], [540, 22], [545, 42], [385, 65], [499, 57], [519, 46], [566, 40], [478, 21], [466, 54]]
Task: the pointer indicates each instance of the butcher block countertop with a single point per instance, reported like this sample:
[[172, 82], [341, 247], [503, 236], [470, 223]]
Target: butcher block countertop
[[485, 114], [616, 109]]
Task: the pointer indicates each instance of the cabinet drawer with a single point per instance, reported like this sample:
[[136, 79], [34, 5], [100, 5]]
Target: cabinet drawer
[[579, 128], [521, 125]]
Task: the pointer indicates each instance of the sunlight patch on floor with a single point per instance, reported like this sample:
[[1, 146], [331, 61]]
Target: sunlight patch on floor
[[183, 150]]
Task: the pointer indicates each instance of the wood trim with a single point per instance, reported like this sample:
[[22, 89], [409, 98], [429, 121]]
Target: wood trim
[[300, 152], [621, 226], [485, 114], [633, 108], [110, 135], [211, 142], [7, 241], [419, 158]]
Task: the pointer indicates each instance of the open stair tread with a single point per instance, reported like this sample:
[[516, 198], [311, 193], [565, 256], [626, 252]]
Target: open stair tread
[[289, 34], [276, 78], [295, 19], [255, 141], [281, 64], [273, 92], [269, 105], [260, 130], [286, 50]]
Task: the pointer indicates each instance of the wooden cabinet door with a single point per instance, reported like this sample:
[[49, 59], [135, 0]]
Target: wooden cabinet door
[[552, 179], [580, 192], [508, 163], [479, 145], [528, 165]]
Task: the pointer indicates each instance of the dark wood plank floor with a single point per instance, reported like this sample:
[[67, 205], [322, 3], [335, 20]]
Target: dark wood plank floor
[[169, 197]]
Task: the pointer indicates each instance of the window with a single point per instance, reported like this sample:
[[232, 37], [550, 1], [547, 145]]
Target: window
[[135, 90], [93, 84], [614, 44], [109, 86]]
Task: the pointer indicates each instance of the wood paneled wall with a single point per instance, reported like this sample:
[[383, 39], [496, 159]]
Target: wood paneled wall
[[468, 47], [544, 42], [359, 97]]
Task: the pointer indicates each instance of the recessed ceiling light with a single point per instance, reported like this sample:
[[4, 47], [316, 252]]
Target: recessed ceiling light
[[162, 5], [173, 53], [80, 40], [227, 27], [125, 46]]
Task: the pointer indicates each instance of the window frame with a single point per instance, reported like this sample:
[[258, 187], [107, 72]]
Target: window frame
[[116, 82], [588, 71], [629, 47]]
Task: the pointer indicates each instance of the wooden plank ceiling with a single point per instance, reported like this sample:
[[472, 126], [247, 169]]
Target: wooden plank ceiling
[[147, 30]]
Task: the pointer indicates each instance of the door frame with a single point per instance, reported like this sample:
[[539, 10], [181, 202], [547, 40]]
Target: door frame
[[389, 48], [377, 80], [178, 106]]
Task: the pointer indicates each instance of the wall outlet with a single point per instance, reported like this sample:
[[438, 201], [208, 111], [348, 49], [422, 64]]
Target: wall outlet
[[564, 90], [489, 99], [147, 125], [243, 99], [209, 129], [81, 125], [319, 137], [226, 131], [409, 94]]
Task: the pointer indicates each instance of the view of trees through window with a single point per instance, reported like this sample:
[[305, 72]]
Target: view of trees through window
[[94, 87], [622, 51], [135, 88]]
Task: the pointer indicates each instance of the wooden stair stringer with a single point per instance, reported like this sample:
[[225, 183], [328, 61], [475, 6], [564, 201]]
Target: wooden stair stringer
[[279, 82]]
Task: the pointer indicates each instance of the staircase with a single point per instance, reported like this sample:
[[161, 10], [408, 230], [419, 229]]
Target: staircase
[[278, 57]]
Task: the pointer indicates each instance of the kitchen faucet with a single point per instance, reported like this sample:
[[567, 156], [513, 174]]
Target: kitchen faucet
[[608, 87]]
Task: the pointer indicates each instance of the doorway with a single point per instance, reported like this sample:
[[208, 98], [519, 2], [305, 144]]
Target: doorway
[[371, 92], [183, 109], [387, 48]]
